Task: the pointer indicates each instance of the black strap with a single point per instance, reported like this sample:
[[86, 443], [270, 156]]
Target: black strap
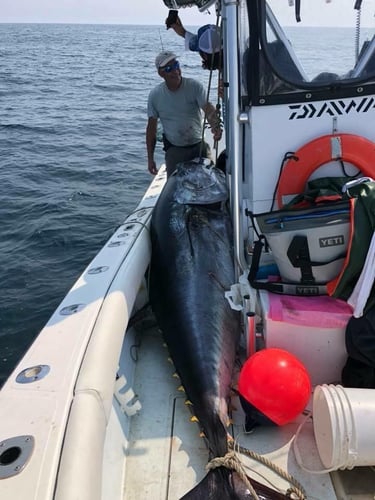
[[280, 287], [299, 256], [167, 144], [298, 10]]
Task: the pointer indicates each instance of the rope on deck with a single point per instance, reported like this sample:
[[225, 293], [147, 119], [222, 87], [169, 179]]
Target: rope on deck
[[232, 462], [296, 489]]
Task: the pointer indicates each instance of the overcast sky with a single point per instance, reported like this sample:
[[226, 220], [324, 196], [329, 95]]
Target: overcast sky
[[154, 12], [96, 11]]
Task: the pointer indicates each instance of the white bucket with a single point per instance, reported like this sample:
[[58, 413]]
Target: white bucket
[[344, 426]]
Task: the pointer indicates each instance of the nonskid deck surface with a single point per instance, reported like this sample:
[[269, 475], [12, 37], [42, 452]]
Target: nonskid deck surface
[[166, 456]]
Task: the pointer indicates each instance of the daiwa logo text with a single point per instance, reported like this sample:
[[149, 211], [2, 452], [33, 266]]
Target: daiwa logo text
[[331, 108], [331, 241]]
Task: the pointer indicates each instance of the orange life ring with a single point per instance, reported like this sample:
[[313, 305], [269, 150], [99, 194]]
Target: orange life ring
[[353, 149]]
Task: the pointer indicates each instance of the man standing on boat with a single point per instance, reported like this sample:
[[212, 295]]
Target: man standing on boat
[[178, 102]]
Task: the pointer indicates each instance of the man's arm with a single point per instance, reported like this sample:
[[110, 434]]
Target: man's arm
[[151, 143], [178, 27]]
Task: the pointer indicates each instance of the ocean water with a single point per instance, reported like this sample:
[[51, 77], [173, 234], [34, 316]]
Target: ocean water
[[72, 157]]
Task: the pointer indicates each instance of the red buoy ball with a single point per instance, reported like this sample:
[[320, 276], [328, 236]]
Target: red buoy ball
[[276, 383]]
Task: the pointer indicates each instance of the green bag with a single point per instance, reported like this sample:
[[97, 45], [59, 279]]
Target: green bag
[[362, 197]]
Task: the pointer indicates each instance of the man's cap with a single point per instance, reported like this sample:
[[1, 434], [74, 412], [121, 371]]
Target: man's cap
[[164, 58], [207, 40]]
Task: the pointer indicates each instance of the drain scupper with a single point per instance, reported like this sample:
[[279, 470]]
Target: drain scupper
[[15, 452]]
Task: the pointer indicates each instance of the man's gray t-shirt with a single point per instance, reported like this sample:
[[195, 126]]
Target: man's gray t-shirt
[[179, 111]]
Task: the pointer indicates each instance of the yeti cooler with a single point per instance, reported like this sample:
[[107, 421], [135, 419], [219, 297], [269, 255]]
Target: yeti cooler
[[308, 245]]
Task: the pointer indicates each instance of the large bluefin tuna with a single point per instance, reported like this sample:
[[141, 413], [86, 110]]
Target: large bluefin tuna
[[192, 265]]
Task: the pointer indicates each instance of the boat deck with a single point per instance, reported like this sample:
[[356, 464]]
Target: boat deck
[[162, 441]]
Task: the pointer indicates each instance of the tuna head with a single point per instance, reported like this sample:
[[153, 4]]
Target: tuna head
[[199, 183]]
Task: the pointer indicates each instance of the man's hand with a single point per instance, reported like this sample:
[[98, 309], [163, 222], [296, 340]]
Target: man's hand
[[152, 167], [177, 27], [217, 133], [213, 120]]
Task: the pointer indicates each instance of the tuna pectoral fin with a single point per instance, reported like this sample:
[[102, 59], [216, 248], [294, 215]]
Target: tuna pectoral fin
[[223, 484]]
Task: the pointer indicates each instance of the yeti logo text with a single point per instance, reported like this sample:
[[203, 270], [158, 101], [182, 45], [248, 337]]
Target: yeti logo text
[[307, 290], [331, 108], [331, 241]]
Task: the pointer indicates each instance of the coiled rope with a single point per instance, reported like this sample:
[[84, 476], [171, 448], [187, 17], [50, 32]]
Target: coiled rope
[[232, 462]]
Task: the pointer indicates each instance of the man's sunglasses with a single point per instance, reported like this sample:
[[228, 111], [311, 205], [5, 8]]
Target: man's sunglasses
[[171, 67]]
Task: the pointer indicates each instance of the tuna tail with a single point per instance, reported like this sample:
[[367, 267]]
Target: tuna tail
[[224, 484], [214, 486]]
